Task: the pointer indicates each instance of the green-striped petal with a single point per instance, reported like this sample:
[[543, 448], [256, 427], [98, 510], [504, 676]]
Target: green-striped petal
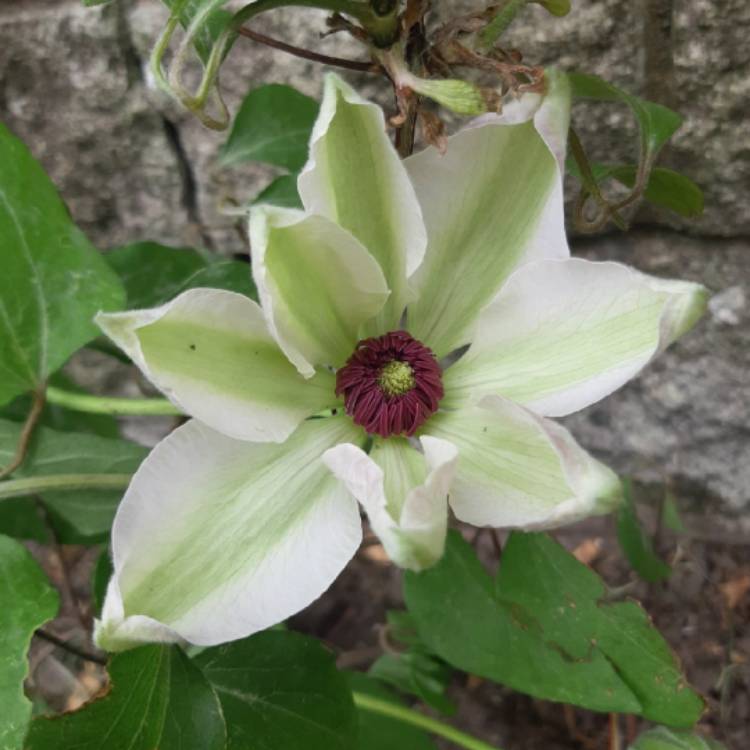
[[491, 203], [355, 178], [518, 470], [218, 538], [212, 355], [317, 285], [404, 492], [561, 335]]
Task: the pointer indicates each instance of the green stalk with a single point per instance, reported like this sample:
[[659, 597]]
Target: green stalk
[[110, 405], [62, 482], [409, 716]]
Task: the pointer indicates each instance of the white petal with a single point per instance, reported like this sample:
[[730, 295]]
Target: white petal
[[219, 538], [518, 470], [404, 493], [493, 202], [317, 285], [212, 355], [355, 178], [561, 335]]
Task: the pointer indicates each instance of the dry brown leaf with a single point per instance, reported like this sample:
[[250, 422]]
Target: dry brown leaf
[[588, 550]]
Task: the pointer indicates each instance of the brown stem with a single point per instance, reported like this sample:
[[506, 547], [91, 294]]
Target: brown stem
[[37, 406], [306, 54], [79, 652]]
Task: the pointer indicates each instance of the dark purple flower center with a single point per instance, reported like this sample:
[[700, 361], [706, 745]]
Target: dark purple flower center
[[391, 384]]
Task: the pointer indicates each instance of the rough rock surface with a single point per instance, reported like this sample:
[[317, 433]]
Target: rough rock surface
[[132, 165]]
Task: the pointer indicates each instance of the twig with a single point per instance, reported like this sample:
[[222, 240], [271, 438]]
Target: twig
[[614, 732], [79, 652], [306, 54], [37, 406]]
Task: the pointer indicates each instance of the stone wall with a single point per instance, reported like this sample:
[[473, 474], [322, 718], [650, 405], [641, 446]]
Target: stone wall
[[131, 166]]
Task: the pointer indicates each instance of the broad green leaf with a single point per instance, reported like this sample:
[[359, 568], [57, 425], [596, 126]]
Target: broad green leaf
[[21, 519], [89, 512], [232, 275], [542, 628], [636, 544], [419, 674], [153, 273], [662, 738], [94, 3], [210, 30], [657, 123], [28, 601], [665, 188], [281, 690], [52, 282], [281, 192], [100, 578], [157, 699], [273, 126], [378, 732]]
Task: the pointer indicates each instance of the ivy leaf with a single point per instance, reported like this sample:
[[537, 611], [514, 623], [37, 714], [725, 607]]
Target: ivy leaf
[[157, 698], [662, 738], [153, 273], [28, 601], [665, 189], [281, 192], [636, 544], [376, 731], [657, 123], [279, 689], [53, 281], [273, 126], [232, 275], [89, 512], [542, 628]]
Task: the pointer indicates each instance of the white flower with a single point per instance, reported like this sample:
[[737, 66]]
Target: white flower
[[247, 513]]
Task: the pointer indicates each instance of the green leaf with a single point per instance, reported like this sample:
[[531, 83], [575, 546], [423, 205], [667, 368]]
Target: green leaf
[[273, 126], [671, 515], [94, 3], [157, 699], [636, 544], [542, 628], [555, 7], [281, 690], [281, 192], [209, 32], [28, 601], [657, 123], [419, 674], [666, 189], [21, 519], [153, 273], [89, 512], [53, 281], [376, 731], [662, 738], [232, 275], [102, 573]]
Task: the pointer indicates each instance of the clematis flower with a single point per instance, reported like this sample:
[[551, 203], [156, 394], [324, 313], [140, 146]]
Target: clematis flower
[[352, 381]]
